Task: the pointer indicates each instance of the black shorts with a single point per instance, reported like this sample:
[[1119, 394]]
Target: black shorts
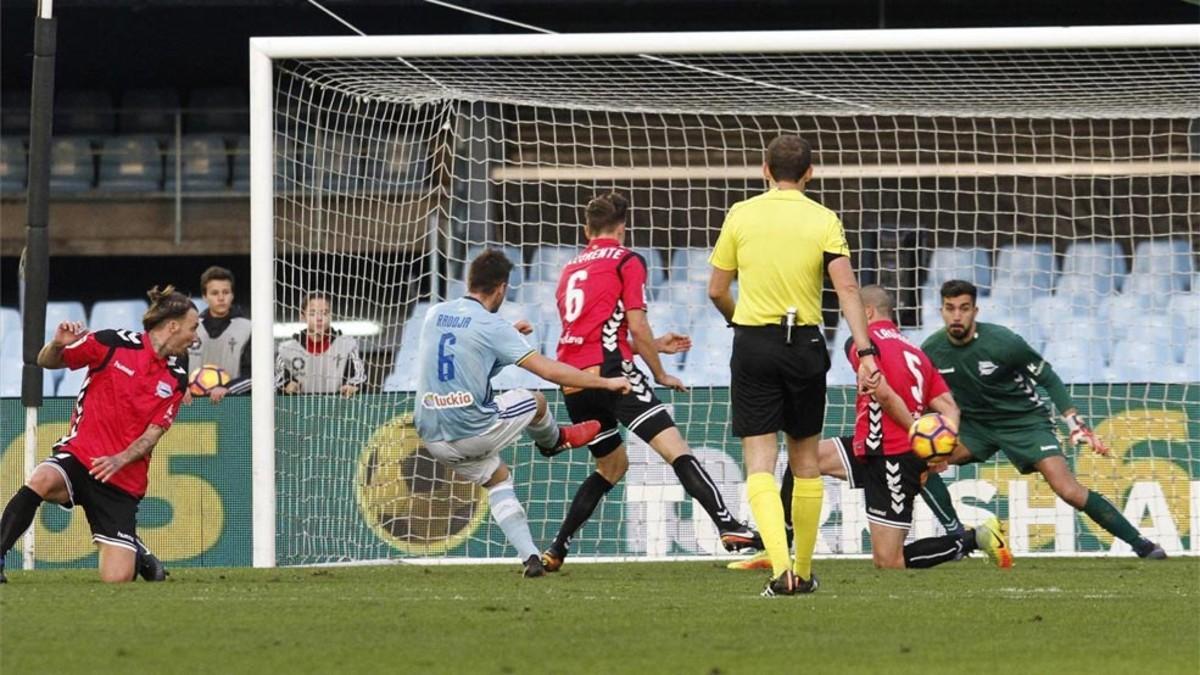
[[856, 471], [776, 386], [891, 484], [640, 410], [111, 512]]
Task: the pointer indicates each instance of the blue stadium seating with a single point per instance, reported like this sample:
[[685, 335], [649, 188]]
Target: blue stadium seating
[[1073, 361], [57, 312], [10, 345], [10, 321], [240, 155], [539, 292], [118, 314], [656, 272], [10, 377], [970, 264], [84, 112], [548, 262], [690, 264], [220, 110], [1023, 272], [205, 164], [1100, 265], [131, 164], [71, 380], [14, 165], [1183, 312], [72, 164], [1134, 360], [1160, 267], [149, 111]]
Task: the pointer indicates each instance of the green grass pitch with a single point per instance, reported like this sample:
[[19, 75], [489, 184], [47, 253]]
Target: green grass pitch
[[1044, 616]]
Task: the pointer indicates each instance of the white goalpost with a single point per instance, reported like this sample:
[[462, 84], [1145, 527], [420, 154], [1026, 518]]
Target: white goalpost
[[1057, 168]]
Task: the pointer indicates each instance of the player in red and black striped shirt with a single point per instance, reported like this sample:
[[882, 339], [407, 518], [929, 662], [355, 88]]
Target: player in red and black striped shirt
[[132, 392], [602, 304]]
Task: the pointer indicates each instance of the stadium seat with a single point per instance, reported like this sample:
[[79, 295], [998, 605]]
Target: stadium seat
[[1134, 360], [546, 335], [14, 165], [131, 164], [1023, 272], [515, 377], [72, 164], [68, 386], [548, 262], [84, 112], [393, 163], [685, 293], [57, 312], [513, 312], [10, 345], [416, 318], [455, 288], [221, 110], [670, 317], [690, 264], [970, 264], [1191, 364], [1073, 361], [205, 164], [656, 273], [10, 321], [118, 315], [539, 293], [10, 377], [239, 152], [1100, 264], [149, 111], [14, 112], [840, 373], [1183, 311], [1160, 267]]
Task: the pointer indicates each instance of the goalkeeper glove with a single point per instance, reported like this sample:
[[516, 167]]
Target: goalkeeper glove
[[1082, 433]]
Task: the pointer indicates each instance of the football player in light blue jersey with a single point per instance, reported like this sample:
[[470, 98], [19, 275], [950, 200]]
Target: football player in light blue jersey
[[463, 344]]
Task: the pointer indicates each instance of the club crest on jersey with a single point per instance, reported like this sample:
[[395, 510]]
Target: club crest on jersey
[[987, 368], [163, 389]]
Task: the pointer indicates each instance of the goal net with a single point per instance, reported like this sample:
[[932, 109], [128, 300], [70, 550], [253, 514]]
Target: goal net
[[1057, 169]]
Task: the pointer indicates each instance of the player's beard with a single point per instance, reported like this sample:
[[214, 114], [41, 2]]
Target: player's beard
[[958, 331]]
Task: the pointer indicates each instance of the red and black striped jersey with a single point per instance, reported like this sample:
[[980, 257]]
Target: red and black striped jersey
[[128, 387], [596, 289]]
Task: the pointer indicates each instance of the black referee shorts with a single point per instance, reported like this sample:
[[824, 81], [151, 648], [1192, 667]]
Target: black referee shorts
[[776, 386], [111, 512]]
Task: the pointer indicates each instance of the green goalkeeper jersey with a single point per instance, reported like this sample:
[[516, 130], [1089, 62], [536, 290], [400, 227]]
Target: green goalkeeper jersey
[[996, 374]]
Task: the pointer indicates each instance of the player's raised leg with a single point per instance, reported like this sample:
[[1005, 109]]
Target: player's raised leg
[[1096, 506]]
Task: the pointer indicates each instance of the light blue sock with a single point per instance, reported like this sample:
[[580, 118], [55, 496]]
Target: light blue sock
[[510, 516]]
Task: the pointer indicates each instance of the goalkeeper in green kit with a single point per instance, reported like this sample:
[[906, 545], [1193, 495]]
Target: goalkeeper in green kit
[[992, 373]]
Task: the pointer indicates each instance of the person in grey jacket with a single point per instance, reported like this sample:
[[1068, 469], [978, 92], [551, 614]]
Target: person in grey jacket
[[223, 338], [319, 359]]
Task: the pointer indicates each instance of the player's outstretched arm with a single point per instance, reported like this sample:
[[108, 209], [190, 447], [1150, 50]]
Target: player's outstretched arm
[[66, 333], [647, 348], [569, 376], [841, 273]]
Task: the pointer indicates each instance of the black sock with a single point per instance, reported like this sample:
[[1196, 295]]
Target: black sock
[[785, 493], [933, 551], [586, 498], [699, 486], [18, 516]]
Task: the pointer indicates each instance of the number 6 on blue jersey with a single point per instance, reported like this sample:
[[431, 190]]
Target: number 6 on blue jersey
[[446, 361]]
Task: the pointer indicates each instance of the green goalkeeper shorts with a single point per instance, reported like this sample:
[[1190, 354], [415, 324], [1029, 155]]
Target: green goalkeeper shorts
[[1025, 440]]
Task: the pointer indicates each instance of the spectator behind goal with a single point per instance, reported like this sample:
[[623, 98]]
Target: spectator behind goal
[[319, 359], [223, 339]]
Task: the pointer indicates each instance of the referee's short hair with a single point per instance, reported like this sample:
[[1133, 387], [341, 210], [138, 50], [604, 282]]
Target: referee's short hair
[[789, 157], [957, 287], [488, 271]]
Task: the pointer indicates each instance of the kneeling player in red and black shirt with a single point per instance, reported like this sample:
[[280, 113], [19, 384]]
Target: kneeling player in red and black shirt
[[602, 303], [134, 385]]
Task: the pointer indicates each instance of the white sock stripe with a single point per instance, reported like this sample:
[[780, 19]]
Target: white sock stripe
[[932, 503], [604, 434], [661, 407], [954, 550]]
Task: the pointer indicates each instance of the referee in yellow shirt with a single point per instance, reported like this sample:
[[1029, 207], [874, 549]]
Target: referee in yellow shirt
[[778, 246]]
